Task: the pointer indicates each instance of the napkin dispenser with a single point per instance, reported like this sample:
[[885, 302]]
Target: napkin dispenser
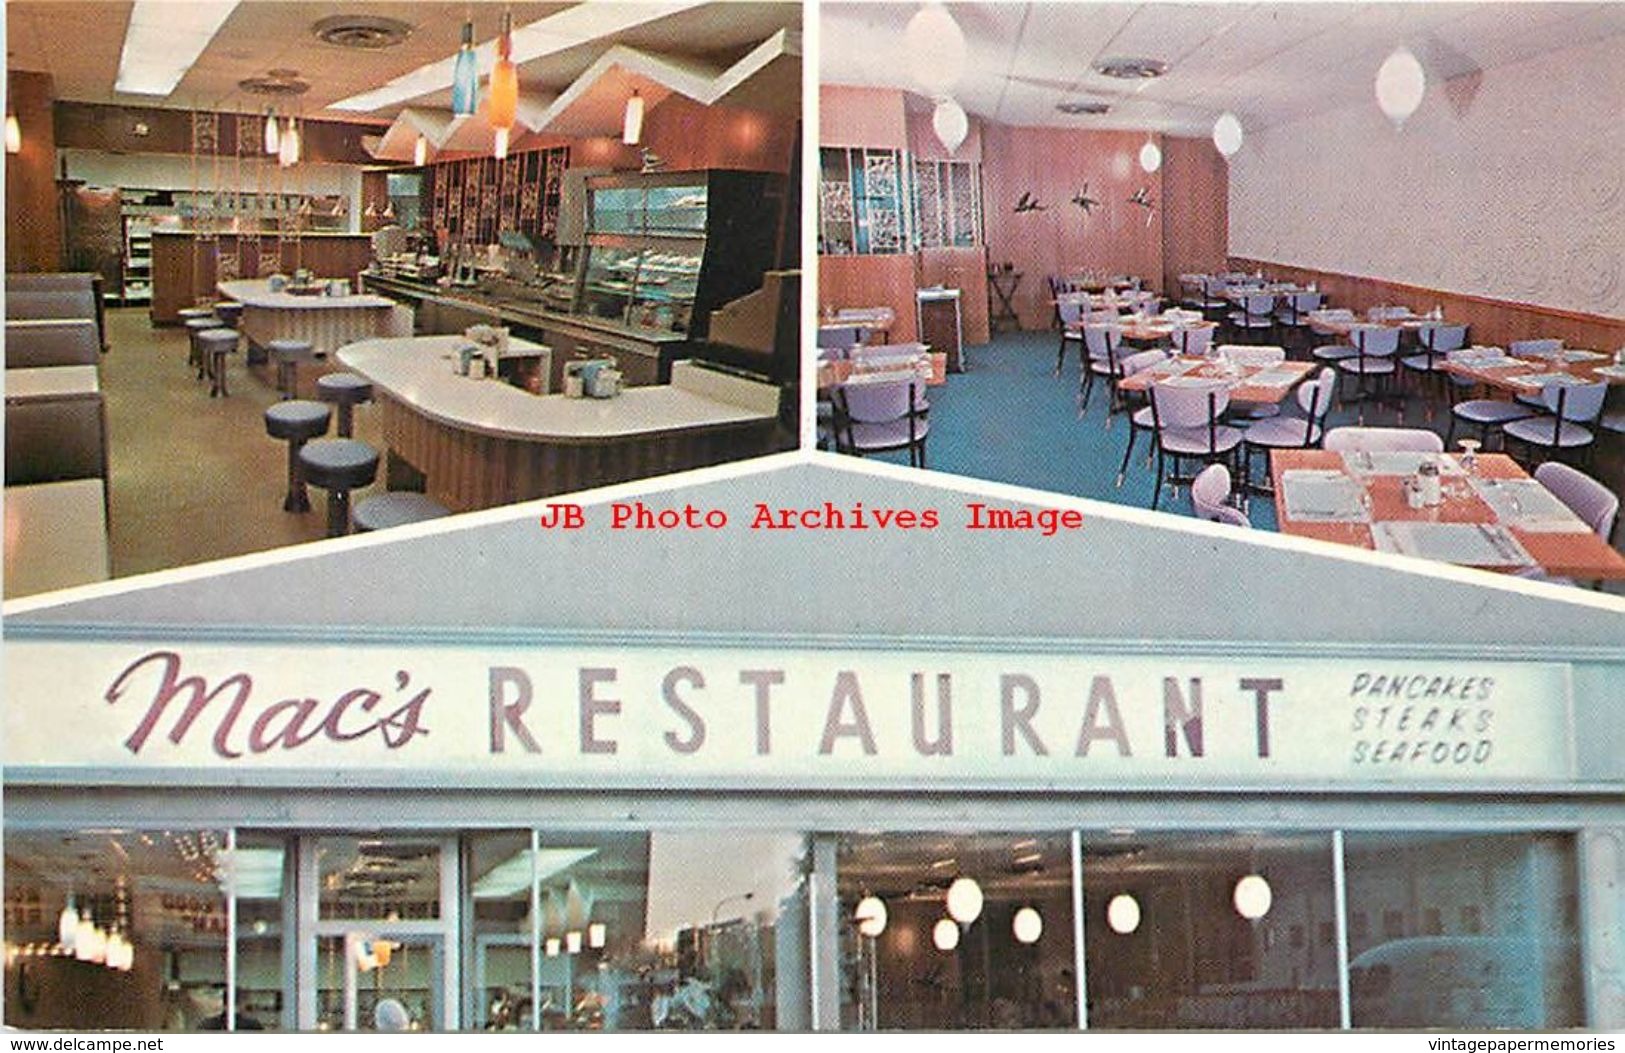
[[581, 377]]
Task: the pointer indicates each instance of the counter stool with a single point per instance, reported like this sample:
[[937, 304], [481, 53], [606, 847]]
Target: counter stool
[[215, 344], [345, 389], [229, 312], [382, 511], [297, 421], [194, 354], [338, 466], [287, 354]]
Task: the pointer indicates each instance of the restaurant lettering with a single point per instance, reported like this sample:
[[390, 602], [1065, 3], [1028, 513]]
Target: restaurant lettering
[[784, 715]]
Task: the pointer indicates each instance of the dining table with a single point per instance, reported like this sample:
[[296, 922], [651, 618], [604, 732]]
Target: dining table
[[55, 536], [886, 361], [869, 320], [1492, 515], [1154, 329], [1529, 374], [1263, 385]]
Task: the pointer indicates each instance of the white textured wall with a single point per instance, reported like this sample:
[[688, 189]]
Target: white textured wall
[[1521, 197]]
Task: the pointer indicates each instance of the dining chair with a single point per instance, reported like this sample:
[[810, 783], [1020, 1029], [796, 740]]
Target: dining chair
[[1186, 415], [1573, 407], [1542, 347], [1595, 504], [1215, 292], [1257, 312], [1383, 440], [1210, 497], [1193, 340], [1293, 308], [1070, 311], [839, 339], [1374, 349], [1436, 340], [1286, 432], [1140, 418], [1101, 342], [1320, 327], [879, 416], [1190, 290]]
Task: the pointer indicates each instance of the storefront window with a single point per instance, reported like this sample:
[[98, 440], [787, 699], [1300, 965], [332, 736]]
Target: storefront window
[[1477, 931], [1211, 931], [115, 929], [946, 931], [262, 880], [501, 872]]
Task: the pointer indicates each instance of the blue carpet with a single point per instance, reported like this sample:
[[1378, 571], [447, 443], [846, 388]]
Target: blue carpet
[[1009, 419]]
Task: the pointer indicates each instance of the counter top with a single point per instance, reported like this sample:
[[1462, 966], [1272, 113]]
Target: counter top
[[418, 372], [258, 294], [51, 382]]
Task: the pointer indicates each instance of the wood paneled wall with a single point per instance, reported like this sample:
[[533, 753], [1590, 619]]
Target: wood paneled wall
[[871, 281], [1196, 209], [184, 273], [691, 136], [1492, 321], [91, 126], [862, 117], [965, 270], [1053, 164], [33, 222]]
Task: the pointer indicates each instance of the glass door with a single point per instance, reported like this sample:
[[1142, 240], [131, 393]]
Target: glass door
[[377, 914]]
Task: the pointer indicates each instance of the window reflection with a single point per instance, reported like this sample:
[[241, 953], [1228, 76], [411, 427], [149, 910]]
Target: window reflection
[[974, 931], [1210, 931], [1477, 931], [115, 929], [263, 883]]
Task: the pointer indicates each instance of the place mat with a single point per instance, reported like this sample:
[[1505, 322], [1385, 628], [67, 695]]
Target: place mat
[[1466, 544], [1317, 495], [1574, 354], [1396, 462], [1272, 378], [1611, 371], [883, 376], [1482, 357], [1527, 505], [1187, 382], [1540, 380], [1174, 367]]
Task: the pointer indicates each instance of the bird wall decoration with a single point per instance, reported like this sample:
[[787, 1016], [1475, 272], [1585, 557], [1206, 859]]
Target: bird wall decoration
[[1028, 203], [1142, 197], [1084, 201]]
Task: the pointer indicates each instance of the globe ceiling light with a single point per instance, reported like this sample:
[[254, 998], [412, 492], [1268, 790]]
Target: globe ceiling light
[[948, 120], [1227, 134], [964, 900], [1027, 925], [936, 49], [870, 916], [1150, 156], [1401, 83], [1123, 914], [945, 934], [1253, 897]]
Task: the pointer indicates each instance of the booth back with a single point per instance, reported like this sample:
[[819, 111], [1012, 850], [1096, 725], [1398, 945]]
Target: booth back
[[53, 440], [51, 303], [51, 342]]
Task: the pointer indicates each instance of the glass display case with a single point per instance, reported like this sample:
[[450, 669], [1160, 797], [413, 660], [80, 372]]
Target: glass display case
[[664, 249]]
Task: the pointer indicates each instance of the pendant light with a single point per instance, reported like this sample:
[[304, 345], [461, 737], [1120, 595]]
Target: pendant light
[[964, 900], [1027, 926], [948, 120], [945, 935], [572, 942], [67, 925], [465, 76], [14, 134], [1401, 83], [1150, 156], [935, 47], [288, 153], [551, 948], [597, 935], [1227, 134], [420, 152], [273, 137], [499, 147], [1253, 897], [503, 105], [870, 916], [1123, 914], [632, 120]]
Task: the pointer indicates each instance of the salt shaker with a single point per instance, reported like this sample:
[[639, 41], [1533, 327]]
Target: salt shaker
[[1427, 474]]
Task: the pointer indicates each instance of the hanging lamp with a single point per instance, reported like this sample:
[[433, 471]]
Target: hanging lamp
[[465, 76], [948, 120], [1227, 134], [1150, 156], [1401, 83], [420, 152], [504, 101], [273, 137], [632, 120]]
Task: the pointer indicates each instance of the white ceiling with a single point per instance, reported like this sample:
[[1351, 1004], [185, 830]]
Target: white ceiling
[[1268, 62], [79, 42]]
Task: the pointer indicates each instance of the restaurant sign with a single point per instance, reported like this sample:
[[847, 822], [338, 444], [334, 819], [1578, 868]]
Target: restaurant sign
[[766, 717]]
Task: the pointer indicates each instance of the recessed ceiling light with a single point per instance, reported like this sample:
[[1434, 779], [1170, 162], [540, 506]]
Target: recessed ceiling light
[[1130, 68], [275, 82], [1077, 108]]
